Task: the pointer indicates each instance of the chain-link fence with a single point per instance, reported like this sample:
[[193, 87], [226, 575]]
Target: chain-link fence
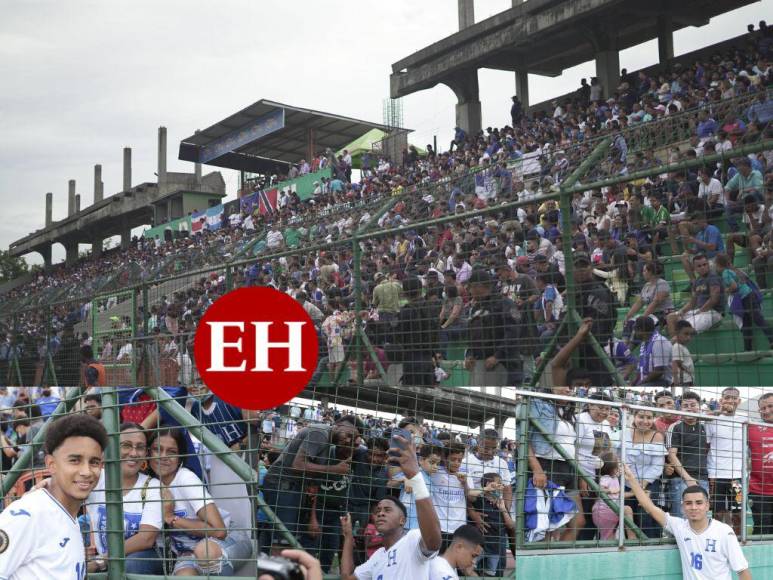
[[435, 306]]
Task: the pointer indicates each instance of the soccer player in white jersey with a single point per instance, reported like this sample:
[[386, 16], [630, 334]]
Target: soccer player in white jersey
[[709, 549], [405, 555], [39, 533], [466, 545]]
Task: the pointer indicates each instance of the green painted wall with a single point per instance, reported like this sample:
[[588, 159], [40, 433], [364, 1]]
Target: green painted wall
[[651, 563]]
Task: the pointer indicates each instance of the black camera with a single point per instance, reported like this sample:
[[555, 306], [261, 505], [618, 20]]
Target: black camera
[[279, 568]]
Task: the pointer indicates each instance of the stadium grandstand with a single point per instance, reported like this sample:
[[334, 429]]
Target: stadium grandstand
[[585, 287]]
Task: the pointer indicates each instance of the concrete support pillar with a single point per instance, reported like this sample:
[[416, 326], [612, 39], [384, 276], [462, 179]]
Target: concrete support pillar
[[468, 111], [665, 38], [96, 247], [466, 13], [77, 202], [126, 235], [49, 210], [98, 185], [71, 253], [161, 155], [197, 169], [522, 88], [608, 70], [169, 210], [127, 168], [45, 252], [70, 197]]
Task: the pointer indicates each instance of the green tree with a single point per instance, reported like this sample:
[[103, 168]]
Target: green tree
[[11, 267]]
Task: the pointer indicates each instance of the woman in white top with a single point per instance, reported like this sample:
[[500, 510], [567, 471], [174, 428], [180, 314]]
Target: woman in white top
[[593, 440], [202, 539], [646, 456], [141, 508]]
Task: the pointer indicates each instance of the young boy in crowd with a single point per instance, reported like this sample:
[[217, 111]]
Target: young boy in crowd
[[550, 306], [682, 366], [492, 506], [429, 461]]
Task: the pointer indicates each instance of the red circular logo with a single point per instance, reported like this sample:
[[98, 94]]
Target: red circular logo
[[256, 348]]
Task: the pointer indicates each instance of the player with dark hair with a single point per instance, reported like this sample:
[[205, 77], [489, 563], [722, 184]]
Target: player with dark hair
[[466, 545], [708, 548], [39, 533], [405, 554]]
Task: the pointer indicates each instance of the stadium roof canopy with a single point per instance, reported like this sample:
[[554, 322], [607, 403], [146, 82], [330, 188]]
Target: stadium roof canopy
[[268, 135]]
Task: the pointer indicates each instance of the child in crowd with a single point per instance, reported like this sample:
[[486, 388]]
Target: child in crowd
[[429, 461], [604, 517], [492, 506], [550, 306], [682, 366]]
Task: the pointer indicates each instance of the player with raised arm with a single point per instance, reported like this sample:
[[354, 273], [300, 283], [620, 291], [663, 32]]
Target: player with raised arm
[[708, 548], [39, 533], [405, 555]]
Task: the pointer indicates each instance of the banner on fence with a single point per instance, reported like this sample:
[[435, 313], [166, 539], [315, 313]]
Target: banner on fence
[[182, 224]]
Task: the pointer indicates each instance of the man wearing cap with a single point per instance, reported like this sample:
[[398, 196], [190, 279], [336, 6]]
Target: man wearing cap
[[543, 266], [596, 301], [416, 333], [705, 239], [491, 356]]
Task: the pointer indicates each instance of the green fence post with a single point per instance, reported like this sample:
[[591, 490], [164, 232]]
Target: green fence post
[[113, 487], [522, 436], [358, 330]]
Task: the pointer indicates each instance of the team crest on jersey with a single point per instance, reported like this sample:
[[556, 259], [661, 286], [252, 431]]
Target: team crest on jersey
[[4, 541]]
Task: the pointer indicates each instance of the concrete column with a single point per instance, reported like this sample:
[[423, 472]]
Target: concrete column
[[127, 168], [665, 37], [126, 234], [71, 253], [468, 111], [608, 70], [197, 168], [161, 155], [169, 210], [466, 13], [70, 197], [45, 252], [77, 202], [522, 88], [49, 210], [98, 186], [96, 247]]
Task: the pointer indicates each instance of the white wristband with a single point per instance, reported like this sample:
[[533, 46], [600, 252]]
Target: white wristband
[[419, 487]]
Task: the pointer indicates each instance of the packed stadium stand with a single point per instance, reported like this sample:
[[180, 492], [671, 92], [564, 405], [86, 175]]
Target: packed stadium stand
[[616, 254]]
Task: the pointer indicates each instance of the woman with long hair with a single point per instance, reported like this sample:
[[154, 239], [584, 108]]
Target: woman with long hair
[[202, 540], [646, 455]]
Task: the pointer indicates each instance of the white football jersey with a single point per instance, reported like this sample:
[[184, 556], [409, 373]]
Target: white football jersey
[[405, 560], [136, 510], [710, 555], [440, 569], [40, 539]]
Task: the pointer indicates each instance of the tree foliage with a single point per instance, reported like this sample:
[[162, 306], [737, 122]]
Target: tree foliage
[[11, 267]]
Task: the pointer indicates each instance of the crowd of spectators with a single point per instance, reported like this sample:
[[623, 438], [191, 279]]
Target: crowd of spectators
[[494, 281]]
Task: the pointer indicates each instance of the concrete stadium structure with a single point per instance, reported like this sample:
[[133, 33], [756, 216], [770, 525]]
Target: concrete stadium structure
[[545, 37]]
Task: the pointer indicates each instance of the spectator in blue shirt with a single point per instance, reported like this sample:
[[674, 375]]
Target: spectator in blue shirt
[[706, 240], [761, 110], [706, 125], [47, 402]]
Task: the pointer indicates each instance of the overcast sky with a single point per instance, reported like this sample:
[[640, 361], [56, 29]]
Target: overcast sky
[[80, 80]]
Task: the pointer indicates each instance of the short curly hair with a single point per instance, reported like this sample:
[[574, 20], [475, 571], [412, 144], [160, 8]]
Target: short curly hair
[[79, 425]]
